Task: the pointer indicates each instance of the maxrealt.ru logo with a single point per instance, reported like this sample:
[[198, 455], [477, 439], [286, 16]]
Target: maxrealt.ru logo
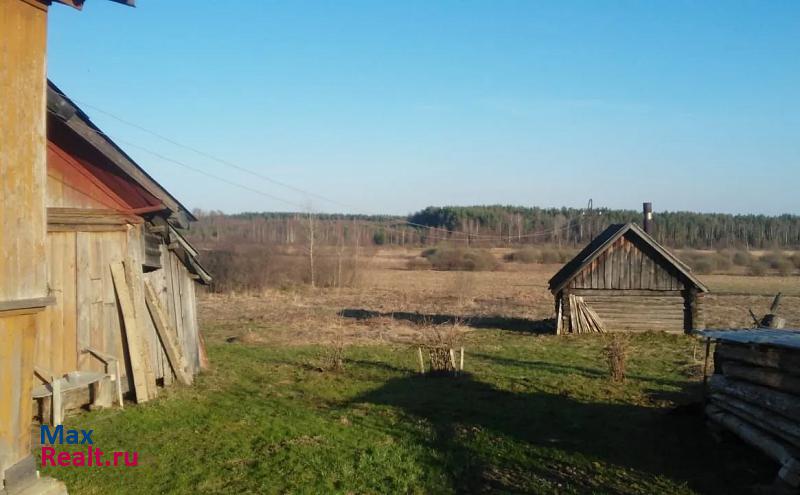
[[91, 457]]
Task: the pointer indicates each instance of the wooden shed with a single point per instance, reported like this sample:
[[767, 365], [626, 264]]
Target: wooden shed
[[623, 280], [122, 276]]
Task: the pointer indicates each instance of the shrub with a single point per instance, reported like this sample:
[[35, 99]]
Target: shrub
[[418, 264], [616, 354], [721, 262], [774, 259], [702, 266], [758, 269], [526, 255], [784, 267], [550, 256], [742, 258], [449, 258]]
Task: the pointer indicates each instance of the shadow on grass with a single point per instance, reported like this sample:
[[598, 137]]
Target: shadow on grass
[[543, 326], [587, 372], [489, 440]]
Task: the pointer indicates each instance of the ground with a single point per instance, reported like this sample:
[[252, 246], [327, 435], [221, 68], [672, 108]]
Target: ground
[[532, 413]]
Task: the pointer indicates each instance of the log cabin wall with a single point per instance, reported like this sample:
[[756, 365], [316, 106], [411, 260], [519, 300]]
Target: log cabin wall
[[631, 288]]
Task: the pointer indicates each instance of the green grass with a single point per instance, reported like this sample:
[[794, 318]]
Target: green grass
[[535, 415]]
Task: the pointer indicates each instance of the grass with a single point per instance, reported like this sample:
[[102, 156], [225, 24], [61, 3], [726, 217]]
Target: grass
[[535, 414]]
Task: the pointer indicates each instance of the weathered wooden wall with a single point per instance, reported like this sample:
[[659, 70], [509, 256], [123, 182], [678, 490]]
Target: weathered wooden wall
[[86, 313], [627, 265], [23, 276]]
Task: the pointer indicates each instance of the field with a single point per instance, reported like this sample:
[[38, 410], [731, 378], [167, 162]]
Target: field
[[532, 413]]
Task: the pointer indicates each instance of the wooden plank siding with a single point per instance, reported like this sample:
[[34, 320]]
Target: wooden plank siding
[[625, 265]]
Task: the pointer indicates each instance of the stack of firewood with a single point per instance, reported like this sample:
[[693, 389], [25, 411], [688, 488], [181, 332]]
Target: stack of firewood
[[755, 393]]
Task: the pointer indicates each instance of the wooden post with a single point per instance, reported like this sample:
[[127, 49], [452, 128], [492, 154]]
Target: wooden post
[[421, 362], [461, 368], [57, 404], [453, 359], [119, 385]]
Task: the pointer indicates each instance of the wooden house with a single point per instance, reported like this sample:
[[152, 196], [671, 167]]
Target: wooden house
[[623, 280], [121, 274]]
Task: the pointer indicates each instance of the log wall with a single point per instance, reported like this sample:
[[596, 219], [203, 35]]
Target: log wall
[[755, 393], [635, 311]]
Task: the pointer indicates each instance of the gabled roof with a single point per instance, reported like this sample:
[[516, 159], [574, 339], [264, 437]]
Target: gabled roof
[[64, 109], [602, 242]]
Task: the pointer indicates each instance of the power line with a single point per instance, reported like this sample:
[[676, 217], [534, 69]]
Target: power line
[[213, 176], [212, 157]]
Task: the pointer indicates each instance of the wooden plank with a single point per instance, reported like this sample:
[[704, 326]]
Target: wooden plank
[[171, 347], [69, 317], [131, 332], [83, 291], [135, 288], [628, 292], [30, 303]]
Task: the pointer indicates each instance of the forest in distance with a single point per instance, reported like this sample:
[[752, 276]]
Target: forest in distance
[[494, 226]]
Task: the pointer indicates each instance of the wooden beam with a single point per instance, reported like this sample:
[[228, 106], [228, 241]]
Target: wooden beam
[[131, 331], [32, 305], [167, 335]]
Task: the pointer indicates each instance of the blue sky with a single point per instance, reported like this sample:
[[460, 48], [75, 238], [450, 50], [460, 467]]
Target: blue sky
[[388, 107]]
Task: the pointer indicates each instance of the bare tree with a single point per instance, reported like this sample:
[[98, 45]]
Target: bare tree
[[310, 228]]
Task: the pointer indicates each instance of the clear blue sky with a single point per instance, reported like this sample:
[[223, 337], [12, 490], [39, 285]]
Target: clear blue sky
[[388, 107]]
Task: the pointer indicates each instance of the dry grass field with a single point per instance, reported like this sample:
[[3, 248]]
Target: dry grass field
[[515, 297]]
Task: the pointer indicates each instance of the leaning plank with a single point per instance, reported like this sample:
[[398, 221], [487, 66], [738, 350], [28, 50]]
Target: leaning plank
[[135, 287], [779, 402], [762, 376], [167, 335], [131, 331]]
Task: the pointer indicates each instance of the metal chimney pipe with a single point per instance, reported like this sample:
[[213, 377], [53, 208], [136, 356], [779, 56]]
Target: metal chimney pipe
[[647, 222]]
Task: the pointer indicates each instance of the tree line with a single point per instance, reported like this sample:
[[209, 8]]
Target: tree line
[[495, 225]]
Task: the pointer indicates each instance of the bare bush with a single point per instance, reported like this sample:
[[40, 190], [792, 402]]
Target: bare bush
[[254, 268], [742, 258], [526, 255], [458, 258], [757, 269], [616, 355], [440, 341], [418, 263]]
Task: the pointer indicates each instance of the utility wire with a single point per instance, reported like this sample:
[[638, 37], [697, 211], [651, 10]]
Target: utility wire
[[212, 157]]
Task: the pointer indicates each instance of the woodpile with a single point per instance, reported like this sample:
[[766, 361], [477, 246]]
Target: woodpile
[[583, 319], [755, 393]]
